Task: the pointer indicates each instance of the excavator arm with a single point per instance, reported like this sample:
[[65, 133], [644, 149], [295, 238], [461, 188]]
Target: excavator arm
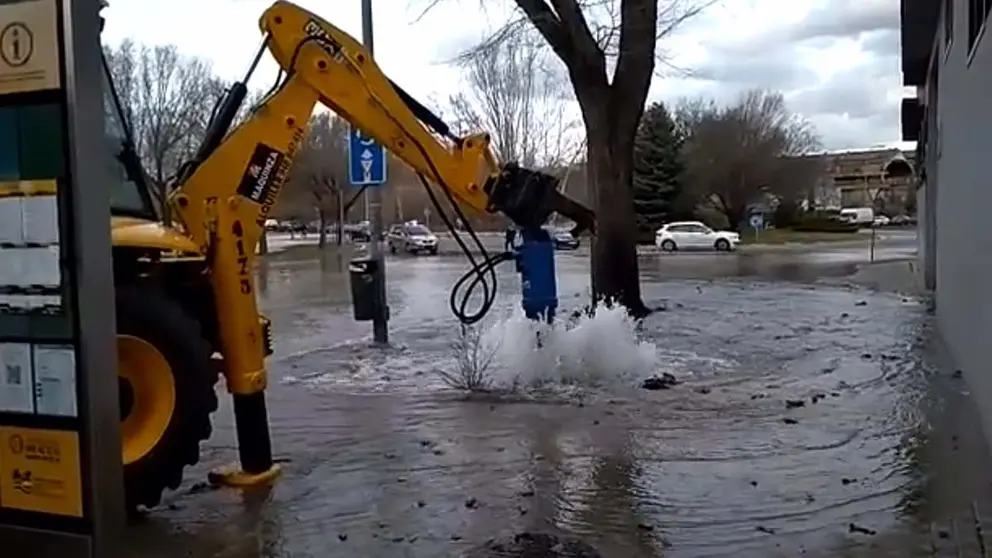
[[225, 193], [348, 81]]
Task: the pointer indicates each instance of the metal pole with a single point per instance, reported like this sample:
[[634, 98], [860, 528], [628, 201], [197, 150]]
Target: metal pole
[[373, 199]]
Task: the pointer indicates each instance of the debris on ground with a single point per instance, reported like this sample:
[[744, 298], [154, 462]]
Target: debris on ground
[[794, 403], [855, 528], [665, 381], [535, 545]]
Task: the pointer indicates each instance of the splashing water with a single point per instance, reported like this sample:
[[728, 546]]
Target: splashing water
[[589, 351]]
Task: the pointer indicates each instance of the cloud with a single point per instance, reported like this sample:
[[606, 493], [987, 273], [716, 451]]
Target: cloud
[[836, 62]]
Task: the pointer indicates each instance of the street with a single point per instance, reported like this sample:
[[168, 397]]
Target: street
[[811, 418]]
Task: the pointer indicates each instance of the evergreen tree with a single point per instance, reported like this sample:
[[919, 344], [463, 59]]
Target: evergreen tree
[[658, 172]]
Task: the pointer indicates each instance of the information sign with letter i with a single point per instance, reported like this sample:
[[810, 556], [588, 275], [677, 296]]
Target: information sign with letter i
[[56, 351]]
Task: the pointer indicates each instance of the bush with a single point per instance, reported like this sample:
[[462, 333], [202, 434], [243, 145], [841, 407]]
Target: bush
[[474, 358], [786, 214], [823, 224]]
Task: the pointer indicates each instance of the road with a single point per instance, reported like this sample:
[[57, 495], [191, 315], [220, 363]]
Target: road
[[811, 419]]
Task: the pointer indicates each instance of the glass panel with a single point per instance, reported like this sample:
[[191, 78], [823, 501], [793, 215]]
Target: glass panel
[[10, 153], [40, 132], [126, 195]]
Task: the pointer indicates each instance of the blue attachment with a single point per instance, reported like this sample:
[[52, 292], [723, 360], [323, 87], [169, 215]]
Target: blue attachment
[[535, 258]]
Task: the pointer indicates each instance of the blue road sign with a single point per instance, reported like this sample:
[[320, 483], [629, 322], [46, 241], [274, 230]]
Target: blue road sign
[[367, 160], [757, 221]]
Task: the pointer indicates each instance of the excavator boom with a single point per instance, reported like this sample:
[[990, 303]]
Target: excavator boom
[[349, 82], [225, 194]]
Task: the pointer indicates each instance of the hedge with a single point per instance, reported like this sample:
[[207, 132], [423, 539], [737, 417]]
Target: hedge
[[824, 224]]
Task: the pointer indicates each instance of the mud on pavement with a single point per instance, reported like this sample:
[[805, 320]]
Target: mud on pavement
[[812, 420]]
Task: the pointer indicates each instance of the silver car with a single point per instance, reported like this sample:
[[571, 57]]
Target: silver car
[[412, 238]]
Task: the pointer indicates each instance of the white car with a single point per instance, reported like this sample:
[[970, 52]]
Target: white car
[[694, 235]]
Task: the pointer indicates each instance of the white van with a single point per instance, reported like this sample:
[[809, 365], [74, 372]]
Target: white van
[[859, 215]]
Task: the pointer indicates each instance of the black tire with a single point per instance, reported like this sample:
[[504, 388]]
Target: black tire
[[722, 245], [392, 248], [433, 251], [149, 315], [669, 246]]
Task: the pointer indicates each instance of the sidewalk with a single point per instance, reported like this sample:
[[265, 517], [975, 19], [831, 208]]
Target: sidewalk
[[901, 275]]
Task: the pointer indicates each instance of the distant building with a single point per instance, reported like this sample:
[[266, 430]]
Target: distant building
[[862, 178]]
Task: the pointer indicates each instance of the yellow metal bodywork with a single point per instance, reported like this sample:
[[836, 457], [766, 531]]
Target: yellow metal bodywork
[[131, 232], [233, 476], [348, 81], [149, 375], [323, 65]]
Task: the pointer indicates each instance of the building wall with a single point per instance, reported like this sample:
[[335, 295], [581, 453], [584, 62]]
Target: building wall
[[958, 197]]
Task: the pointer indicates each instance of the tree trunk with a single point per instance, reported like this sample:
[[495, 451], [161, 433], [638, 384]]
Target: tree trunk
[[340, 227], [322, 235], [615, 273], [735, 217]]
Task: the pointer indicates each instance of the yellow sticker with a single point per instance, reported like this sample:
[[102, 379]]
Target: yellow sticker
[[20, 188], [29, 46], [39, 471]]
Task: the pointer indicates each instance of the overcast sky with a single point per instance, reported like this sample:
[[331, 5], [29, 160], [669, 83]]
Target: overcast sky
[[837, 61]]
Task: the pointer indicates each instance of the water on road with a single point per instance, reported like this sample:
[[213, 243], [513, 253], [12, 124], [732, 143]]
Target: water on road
[[802, 425]]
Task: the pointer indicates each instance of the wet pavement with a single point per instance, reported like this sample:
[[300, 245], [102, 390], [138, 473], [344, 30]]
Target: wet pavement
[[811, 418]]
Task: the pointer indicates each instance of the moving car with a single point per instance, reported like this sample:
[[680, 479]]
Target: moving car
[[411, 237], [694, 235], [564, 240]]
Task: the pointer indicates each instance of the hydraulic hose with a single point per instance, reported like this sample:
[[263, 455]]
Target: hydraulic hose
[[481, 273]]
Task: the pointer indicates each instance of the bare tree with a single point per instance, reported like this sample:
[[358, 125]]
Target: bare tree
[[608, 48], [168, 99], [747, 153], [320, 175], [516, 94]]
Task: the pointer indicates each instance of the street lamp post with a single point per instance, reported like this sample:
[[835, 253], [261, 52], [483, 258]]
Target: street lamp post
[[373, 201]]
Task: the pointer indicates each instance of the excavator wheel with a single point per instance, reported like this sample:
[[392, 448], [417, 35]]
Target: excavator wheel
[[167, 392]]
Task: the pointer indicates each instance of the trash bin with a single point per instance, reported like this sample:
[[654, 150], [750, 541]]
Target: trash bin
[[365, 289]]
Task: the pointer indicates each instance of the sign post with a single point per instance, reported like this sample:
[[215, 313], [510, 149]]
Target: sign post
[[367, 168], [366, 160], [757, 222], [61, 483]]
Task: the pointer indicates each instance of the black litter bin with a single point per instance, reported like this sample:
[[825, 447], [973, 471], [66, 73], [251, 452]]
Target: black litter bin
[[365, 289]]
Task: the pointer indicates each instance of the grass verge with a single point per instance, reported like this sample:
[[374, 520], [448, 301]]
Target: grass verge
[[789, 236]]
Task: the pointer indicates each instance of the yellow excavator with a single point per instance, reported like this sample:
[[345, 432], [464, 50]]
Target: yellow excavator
[[186, 305]]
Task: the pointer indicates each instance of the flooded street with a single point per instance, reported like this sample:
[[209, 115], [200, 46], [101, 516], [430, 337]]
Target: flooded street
[[810, 419]]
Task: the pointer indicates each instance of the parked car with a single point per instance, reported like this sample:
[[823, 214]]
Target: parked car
[[880, 221], [411, 237], [694, 235], [564, 240], [863, 216], [902, 221]]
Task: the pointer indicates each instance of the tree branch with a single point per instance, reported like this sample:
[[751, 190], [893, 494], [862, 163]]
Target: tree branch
[[635, 62], [550, 27], [577, 28]]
